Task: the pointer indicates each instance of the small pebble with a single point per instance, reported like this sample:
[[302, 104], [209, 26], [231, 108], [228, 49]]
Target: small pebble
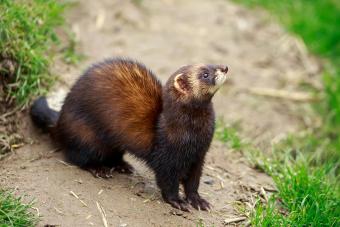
[[209, 182]]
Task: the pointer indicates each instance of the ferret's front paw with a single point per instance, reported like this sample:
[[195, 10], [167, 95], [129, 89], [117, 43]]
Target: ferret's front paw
[[178, 204], [197, 202]]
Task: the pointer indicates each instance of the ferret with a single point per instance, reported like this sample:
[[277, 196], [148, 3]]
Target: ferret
[[120, 106]]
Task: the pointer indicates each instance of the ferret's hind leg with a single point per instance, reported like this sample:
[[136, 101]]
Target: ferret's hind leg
[[88, 158], [83, 156]]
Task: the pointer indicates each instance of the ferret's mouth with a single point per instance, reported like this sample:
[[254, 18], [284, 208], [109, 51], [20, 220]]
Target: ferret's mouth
[[221, 75]]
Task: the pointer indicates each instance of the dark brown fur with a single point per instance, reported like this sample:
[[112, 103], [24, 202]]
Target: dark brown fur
[[119, 106]]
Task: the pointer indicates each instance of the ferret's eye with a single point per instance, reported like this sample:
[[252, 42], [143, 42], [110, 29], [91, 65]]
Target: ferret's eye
[[205, 75]]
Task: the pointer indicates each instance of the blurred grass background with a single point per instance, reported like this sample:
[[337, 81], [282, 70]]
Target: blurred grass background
[[306, 167], [317, 23]]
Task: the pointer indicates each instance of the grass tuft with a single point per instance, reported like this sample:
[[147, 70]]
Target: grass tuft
[[228, 135], [69, 52], [305, 196], [27, 35], [14, 212], [307, 180]]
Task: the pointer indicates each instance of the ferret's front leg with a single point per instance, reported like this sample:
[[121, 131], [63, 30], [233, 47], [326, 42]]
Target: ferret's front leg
[[168, 182], [191, 184]]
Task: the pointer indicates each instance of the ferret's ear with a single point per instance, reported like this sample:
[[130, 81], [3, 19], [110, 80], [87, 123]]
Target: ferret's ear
[[181, 84]]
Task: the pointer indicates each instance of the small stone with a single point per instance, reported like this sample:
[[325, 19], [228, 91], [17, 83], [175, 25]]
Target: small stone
[[176, 212], [209, 181]]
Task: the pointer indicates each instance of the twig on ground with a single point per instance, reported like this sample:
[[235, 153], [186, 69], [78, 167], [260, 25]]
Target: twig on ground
[[65, 163], [269, 189], [58, 211], [234, 220], [38, 212], [102, 213], [221, 181], [77, 197]]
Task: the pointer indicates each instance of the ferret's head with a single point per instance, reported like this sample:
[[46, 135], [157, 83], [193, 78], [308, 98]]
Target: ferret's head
[[197, 82]]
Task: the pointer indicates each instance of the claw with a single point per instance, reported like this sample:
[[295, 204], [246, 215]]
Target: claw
[[179, 204], [101, 172], [198, 203], [106, 172]]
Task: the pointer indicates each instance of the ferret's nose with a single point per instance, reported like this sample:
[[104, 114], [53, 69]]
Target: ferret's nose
[[224, 69]]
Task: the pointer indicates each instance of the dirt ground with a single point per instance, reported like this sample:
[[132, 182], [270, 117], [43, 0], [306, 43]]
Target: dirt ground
[[166, 35]]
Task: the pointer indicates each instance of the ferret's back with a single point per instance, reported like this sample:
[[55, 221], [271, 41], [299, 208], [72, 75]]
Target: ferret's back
[[119, 98]]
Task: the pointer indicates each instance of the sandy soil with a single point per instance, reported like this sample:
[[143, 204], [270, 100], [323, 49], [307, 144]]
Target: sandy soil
[[166, 35]]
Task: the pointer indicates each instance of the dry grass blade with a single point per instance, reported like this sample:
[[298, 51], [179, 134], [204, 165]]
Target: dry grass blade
[[77, 197], [38, 212], [58, 211], [64, 163], [9, 113], [263, 192], [100, 19], [221, 181], [269, 189], [234, 220], [102, 213]]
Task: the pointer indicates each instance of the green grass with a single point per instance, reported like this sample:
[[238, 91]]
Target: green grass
[[304, 199], [228, 135], [308, 183], [28, 42], [27, 37], [14, 212], [306, 196], [69, 52], [306, 167]]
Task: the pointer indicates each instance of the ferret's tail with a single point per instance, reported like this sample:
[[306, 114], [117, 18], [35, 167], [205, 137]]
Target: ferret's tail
[[42, 115]]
